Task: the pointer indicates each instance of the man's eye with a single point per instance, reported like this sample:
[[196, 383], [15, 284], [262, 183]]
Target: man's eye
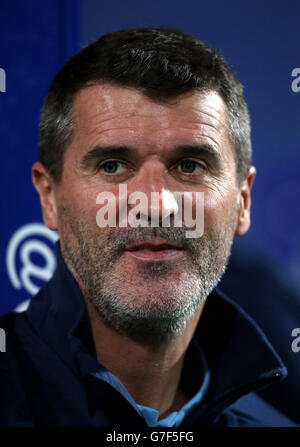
[[190, 166], [112, 167]]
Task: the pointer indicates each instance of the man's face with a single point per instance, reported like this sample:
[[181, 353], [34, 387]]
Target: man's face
[[180, 147]]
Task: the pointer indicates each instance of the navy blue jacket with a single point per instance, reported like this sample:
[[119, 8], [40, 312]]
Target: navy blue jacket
[[49, 375], [253, 281]]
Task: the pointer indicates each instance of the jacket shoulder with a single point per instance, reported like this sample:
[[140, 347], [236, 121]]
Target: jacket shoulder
[[13, 407], [252, 411]]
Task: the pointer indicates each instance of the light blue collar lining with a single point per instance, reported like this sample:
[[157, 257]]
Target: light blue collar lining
[[174, 419]]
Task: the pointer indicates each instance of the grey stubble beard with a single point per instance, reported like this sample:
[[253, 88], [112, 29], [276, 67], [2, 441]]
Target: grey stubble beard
[[91, 258]]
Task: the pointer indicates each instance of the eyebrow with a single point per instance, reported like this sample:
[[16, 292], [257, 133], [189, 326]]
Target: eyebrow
[[204, 150], [200, 150], [98, 152]]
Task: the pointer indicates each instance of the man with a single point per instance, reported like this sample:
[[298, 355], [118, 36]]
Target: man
[[131, 331]]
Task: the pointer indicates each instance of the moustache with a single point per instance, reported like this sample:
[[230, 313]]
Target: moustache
[[120, 238]]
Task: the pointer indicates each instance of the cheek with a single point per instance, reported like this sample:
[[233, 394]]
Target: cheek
[[219, 208], [86, 209], [205, 204], [80, 205]]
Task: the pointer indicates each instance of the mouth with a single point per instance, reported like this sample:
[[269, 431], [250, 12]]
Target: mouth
[[154, 251]]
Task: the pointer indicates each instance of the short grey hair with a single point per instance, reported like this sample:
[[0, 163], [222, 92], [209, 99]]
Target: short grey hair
[[163, 64]]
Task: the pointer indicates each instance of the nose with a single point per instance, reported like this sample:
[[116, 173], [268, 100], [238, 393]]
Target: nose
[[151, 200]]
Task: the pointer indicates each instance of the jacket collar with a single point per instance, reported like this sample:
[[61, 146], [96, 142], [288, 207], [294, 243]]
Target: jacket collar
[[239, 356]]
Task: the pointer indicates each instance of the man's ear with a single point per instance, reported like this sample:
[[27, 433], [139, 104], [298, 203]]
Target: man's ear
[[243, 222], [44, 184]]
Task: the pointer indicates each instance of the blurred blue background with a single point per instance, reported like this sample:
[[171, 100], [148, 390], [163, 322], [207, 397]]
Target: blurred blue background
[[260, 40]]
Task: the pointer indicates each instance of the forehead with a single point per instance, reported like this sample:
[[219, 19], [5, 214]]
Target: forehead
[[110, 114]]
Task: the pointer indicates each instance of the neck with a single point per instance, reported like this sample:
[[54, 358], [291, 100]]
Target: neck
[[150, 372]]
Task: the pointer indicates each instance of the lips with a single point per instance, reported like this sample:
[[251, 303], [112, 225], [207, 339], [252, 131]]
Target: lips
[[152, 246], [154, 251]]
